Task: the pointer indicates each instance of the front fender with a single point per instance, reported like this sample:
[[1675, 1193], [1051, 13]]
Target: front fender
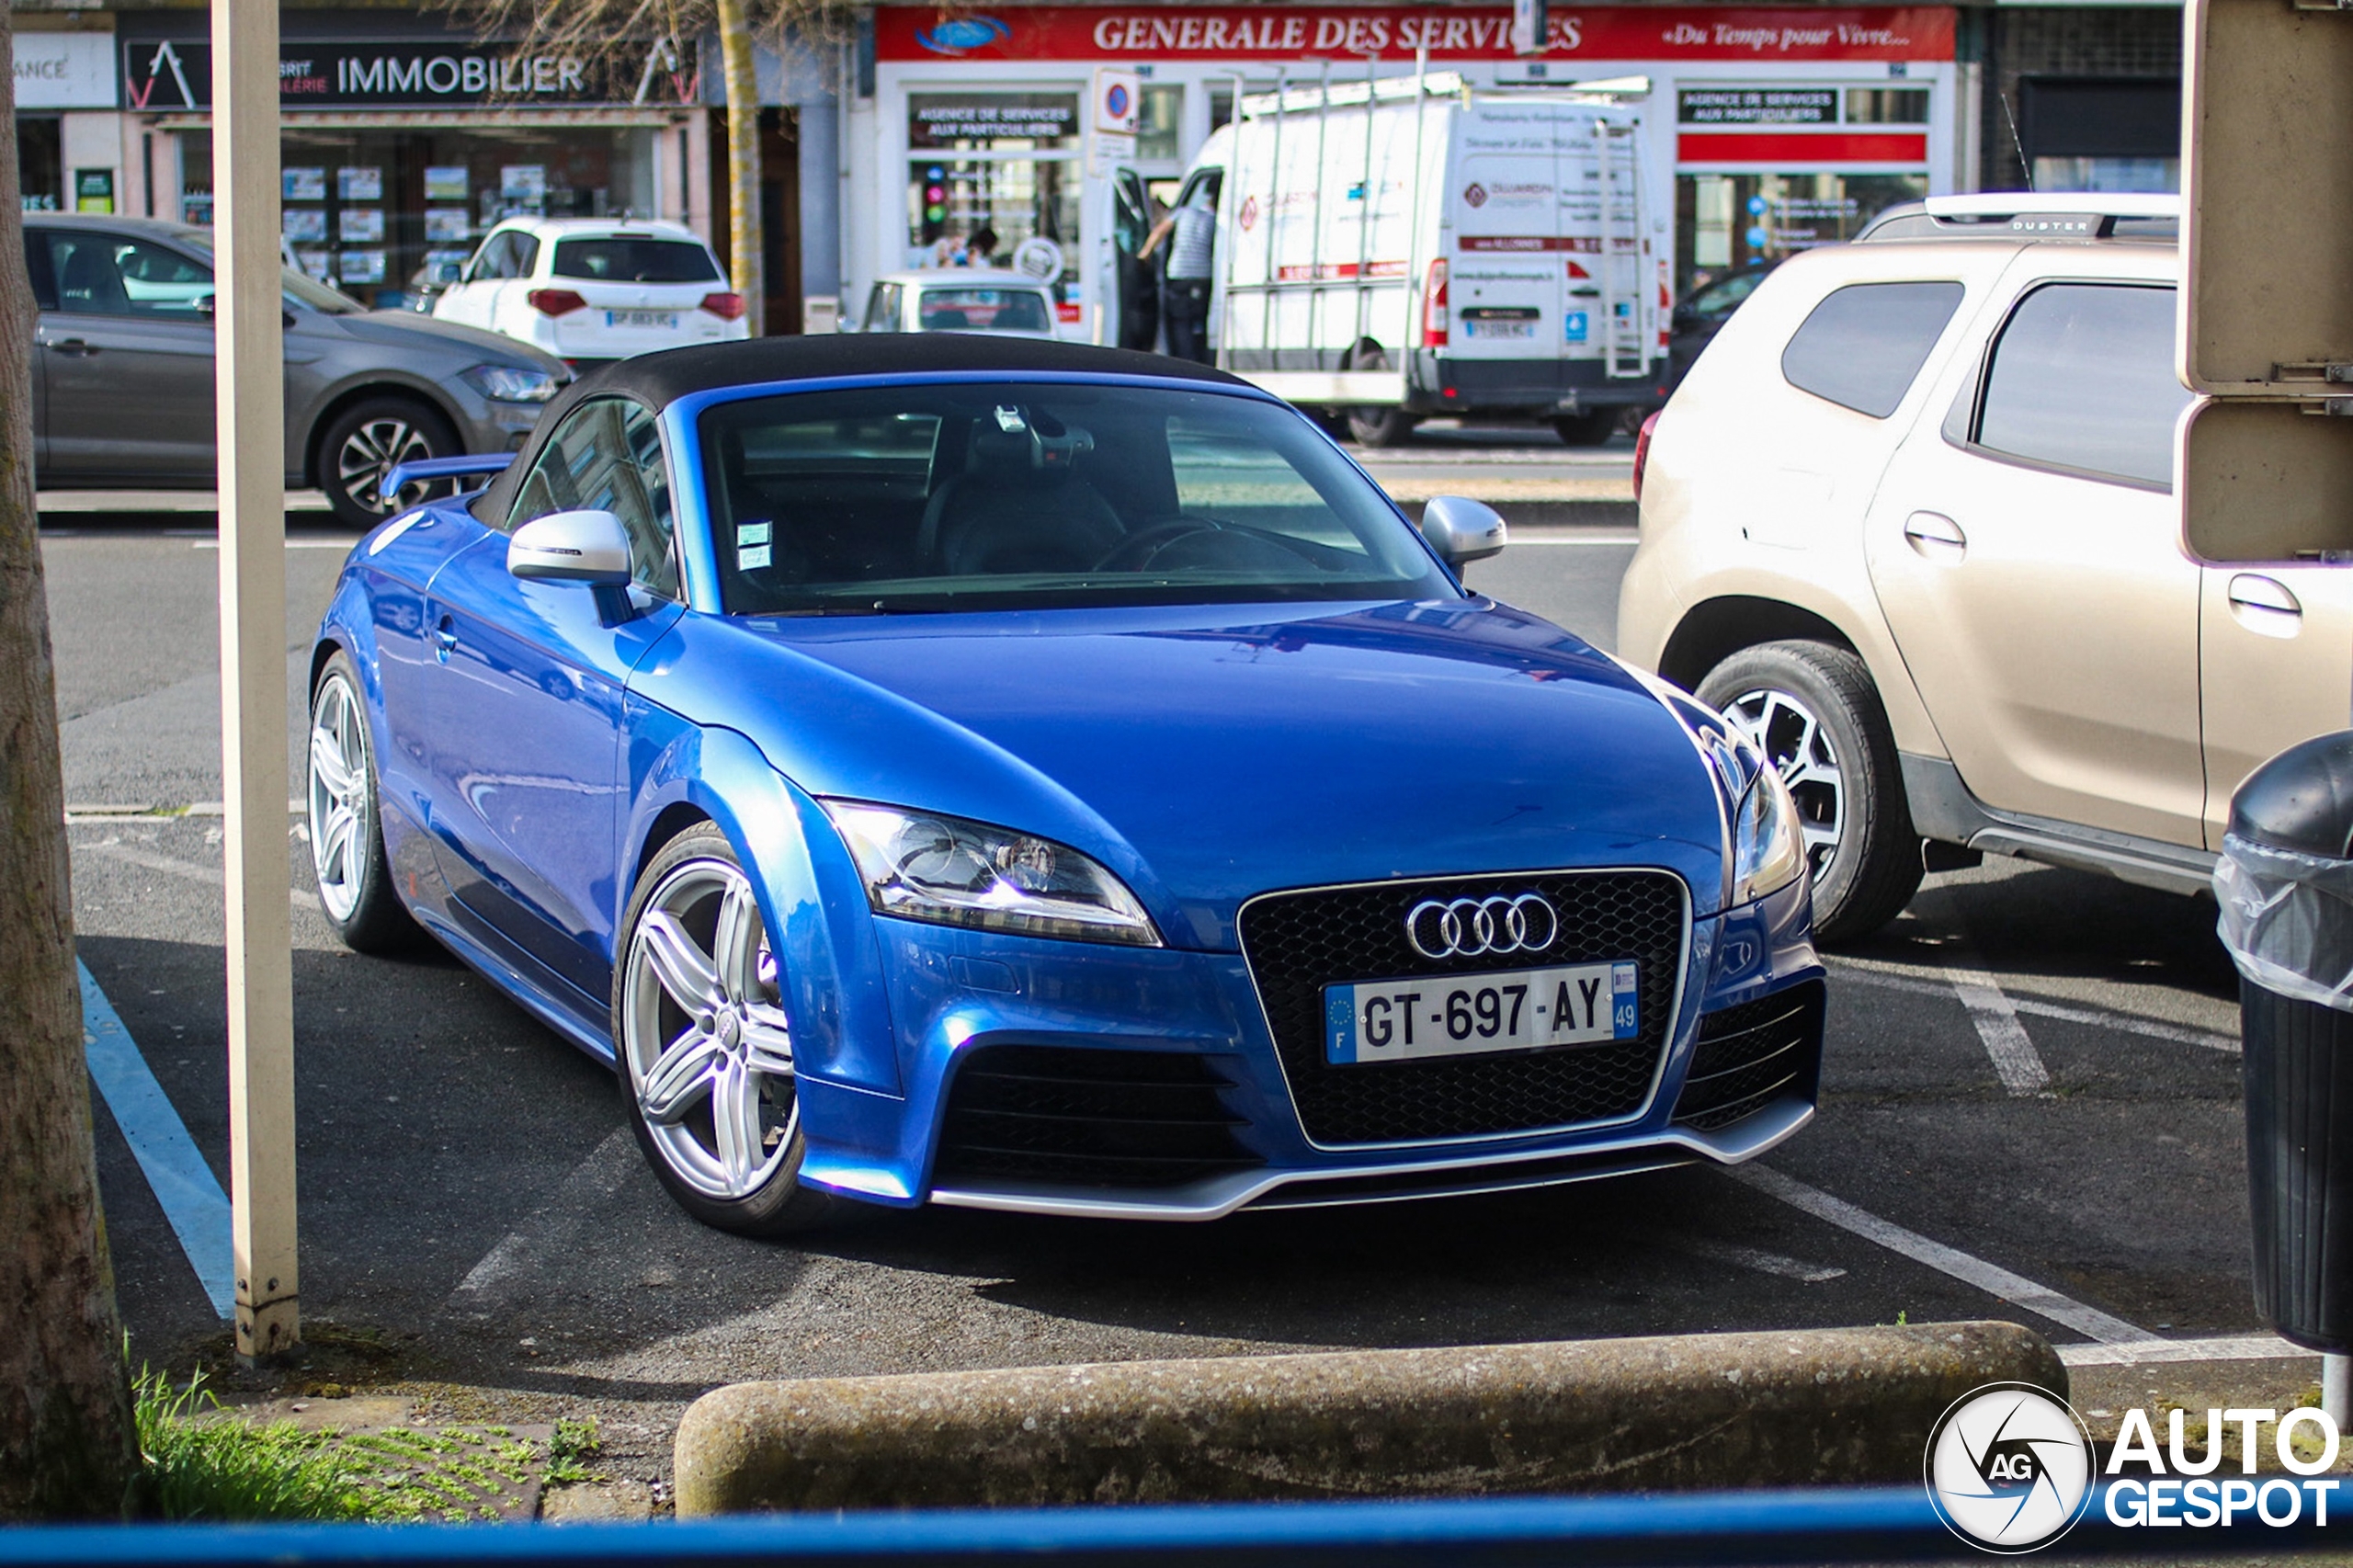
[[809, 891]]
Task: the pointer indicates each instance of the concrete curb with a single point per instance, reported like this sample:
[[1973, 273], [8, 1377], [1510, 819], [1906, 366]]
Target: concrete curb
[[1809, 1407]]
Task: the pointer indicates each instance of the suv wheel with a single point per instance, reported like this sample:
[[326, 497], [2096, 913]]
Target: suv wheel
[[365, 442], [1812, 710]]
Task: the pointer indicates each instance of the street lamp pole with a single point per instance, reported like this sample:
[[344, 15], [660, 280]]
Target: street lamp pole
[[252, 445]]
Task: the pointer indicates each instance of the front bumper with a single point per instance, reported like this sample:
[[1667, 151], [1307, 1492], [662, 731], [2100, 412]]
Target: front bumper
[[1192, 1025]]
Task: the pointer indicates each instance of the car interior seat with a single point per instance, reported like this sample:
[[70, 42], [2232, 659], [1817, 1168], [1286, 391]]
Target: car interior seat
[[1021, 503], [88, 282]]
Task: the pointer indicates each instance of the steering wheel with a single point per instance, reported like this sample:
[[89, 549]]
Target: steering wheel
[[1135, 552]]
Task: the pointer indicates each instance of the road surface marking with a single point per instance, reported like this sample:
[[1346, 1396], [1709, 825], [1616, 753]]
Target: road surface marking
[[596, 1178], [1754, 1258], [2229, 1347], [1991, 1277], [2122, 1023], [131, 854], [190, 1194]]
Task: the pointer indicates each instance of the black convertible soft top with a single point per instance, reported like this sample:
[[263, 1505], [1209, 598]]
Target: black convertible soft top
[[659, 380]]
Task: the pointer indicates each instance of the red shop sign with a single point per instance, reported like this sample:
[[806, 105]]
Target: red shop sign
[[1394, 32]]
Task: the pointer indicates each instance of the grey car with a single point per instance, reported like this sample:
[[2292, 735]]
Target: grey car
[[123, 372]]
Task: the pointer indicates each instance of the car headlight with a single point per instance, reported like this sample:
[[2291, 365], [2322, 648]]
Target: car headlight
[[923, 866], [1767, 846], [512, 383]]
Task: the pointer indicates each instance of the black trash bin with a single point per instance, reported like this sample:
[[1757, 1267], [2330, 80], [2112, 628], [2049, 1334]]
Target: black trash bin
[[2285, 884]]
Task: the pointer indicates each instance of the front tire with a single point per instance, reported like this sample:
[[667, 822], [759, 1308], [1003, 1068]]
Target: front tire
[[346, 827], [703, 1050], [365, 442], [1812, 710]]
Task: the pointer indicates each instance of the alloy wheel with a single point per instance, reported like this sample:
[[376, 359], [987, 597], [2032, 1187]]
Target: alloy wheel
[[1794, 738], [339, 796], [373, 449], [704, 1039]]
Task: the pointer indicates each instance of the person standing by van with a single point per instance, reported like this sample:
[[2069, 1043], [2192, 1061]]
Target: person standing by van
[[1191, 234]]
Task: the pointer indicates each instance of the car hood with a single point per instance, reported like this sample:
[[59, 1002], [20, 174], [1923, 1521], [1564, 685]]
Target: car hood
[[409, 329], [1208, 754]]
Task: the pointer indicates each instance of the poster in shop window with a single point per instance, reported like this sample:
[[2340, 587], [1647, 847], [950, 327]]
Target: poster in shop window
[[359, 183], [359, 223], [304, 185], [445, 182], [523, 182], [302, 224], [446, 223], [361, 267]]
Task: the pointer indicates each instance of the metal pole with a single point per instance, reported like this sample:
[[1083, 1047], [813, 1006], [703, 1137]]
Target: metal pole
[[252, 444], [2337, 1388]]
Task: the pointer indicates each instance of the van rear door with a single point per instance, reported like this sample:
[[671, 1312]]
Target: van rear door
[[1503, 201]]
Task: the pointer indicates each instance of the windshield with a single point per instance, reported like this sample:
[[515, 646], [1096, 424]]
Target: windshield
[[982, 310], [302, 292], [937, 498], [635, 261]]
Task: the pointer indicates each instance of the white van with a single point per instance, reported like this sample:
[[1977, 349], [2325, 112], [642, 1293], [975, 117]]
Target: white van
[[1401, 247]]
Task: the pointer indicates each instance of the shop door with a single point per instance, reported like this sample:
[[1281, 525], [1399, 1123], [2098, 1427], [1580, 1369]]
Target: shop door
[[779, 187], [1136, 289]]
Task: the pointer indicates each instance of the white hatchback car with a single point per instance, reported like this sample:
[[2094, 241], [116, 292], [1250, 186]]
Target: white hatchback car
[[590, 290], [957, 299]]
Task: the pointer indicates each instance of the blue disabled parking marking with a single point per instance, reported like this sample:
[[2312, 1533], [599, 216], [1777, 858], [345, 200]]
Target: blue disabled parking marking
[[184, 1184]]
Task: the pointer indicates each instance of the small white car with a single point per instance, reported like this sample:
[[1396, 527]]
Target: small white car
[[962, 298], [590, 290]]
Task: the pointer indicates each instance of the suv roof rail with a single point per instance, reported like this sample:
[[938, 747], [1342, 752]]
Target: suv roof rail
[[2027, 215]]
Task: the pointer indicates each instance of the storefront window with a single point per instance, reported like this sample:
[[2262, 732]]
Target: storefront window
[[41, 168], [375, 212], [989, 172], [2108, 174], [1159, 118], [1725, 223]]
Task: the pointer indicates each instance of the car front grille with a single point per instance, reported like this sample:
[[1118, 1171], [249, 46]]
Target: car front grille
[[1064, 1116], [1751, 1055], [1297, 943]]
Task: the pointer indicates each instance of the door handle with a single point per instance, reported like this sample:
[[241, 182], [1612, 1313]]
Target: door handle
[[445, 639], [1935, 537], [76, 347], [2265, 604]]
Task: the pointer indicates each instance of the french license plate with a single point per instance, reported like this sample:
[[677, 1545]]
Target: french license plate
[[665, 320], [1525, 330], [1467, 1015]]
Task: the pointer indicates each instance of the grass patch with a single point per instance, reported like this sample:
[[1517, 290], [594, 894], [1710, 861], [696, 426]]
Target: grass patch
[[230, 1471], [570, 1447]]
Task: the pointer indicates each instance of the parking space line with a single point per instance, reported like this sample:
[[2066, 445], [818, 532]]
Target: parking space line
[[131, 854], [596, 1178], [2122, 1023], [2016, 1062], [1991, 1277], [190, 1194], [1754, 1258], [2228, 1347]]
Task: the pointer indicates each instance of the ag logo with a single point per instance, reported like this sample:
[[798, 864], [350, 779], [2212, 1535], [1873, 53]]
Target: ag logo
[[1475, 194], [2009, 1468]]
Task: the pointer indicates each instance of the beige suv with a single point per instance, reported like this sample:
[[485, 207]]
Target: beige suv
[[1910, 522]]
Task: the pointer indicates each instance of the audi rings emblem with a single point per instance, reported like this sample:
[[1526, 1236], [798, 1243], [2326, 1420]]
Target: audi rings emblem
[[1468, 927]]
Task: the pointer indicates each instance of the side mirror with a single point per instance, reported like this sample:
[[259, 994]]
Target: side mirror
[[1685, 315], [571, 546], [1462, 530], [449, 272]]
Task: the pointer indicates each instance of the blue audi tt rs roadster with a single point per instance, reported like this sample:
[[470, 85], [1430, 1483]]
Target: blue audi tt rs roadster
[[1025, 776]]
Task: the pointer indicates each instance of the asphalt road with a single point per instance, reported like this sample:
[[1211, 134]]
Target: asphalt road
[[477, 1223]]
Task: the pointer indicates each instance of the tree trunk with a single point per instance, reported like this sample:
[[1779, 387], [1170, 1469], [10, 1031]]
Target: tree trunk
[[743, 247], [67, 1446]]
